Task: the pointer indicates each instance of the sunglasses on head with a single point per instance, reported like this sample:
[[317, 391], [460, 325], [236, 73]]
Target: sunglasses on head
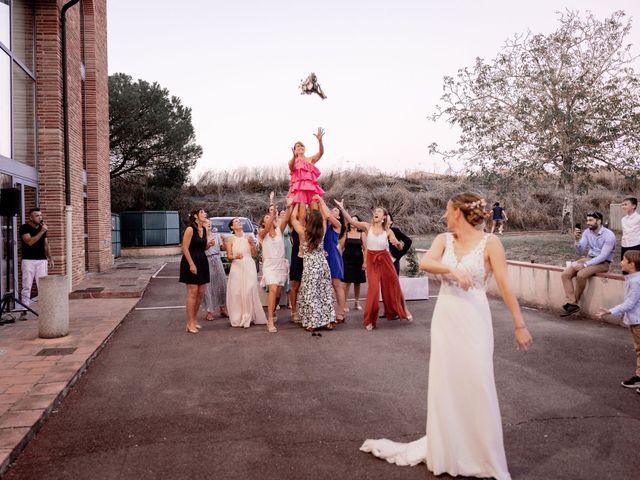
[[597, 215]]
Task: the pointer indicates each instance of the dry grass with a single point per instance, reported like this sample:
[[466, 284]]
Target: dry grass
[[416, 202]]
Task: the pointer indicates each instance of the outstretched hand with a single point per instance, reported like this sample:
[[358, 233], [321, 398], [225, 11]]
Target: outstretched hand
[[340, 204], [320, 134]]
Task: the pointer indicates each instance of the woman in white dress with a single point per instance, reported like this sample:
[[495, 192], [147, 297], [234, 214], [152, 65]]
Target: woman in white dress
[[275, 266], [243, 299], [464, 427]]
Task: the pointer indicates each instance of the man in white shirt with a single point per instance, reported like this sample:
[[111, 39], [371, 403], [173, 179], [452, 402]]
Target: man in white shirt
[[630, 225]]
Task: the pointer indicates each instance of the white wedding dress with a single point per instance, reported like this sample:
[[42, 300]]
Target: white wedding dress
[[464, 427], [243, 299]]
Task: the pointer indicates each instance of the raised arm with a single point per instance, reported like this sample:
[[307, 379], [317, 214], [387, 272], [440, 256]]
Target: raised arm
[[318, 155], [347, 218], [292, 162], [287, 215], [295, 223], [327, 215], [29, 240], [498, 261], [268, 222]]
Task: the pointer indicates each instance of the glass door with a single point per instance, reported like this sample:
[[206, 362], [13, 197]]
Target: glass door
[[28, 200]]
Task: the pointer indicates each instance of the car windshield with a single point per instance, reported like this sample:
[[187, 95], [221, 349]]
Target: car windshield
[[222, 225]]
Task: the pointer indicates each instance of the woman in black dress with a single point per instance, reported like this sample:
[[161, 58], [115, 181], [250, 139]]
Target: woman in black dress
[[354, 248], [295, 267], [194, 267]]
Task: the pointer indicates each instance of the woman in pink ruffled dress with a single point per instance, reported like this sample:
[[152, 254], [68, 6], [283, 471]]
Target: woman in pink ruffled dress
[[304, 173]]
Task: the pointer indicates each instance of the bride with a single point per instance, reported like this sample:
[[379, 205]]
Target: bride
[[464, 428]]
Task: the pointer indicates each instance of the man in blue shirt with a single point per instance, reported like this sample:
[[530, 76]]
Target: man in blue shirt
[[600, 243]]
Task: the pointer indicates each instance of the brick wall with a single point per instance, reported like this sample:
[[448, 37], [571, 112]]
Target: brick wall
[[50, 133]]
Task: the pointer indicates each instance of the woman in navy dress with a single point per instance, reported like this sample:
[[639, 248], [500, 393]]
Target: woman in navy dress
[[335, 230], [194, 267]]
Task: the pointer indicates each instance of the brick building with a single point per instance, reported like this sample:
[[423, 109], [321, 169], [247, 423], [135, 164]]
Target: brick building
[[32, 139]]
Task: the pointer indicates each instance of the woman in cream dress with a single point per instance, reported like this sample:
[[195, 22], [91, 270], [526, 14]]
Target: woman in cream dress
[[243, 299]]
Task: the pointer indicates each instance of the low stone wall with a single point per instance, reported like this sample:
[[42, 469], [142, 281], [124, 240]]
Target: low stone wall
[[541, 286]]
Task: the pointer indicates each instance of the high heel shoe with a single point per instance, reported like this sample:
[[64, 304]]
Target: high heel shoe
[[369, 327], [198, 326], [192, 331], [357, 306]]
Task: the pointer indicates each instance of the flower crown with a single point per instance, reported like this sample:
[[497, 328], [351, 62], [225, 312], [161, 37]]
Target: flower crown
[[478, 203]]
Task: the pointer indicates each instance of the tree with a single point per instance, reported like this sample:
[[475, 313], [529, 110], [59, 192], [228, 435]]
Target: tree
[[152, 144], [560, 106]]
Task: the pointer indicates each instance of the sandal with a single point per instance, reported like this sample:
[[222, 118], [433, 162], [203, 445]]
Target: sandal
[[210, 317], [294, 317], [339, 318], [369, 327], [331, 325], [310, 329], [346, 309], [357, 306], [271, 328]]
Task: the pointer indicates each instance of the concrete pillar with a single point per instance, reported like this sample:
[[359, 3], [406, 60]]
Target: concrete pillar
[[53, 306]]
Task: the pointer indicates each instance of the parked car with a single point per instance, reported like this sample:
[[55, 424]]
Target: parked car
[[221, 225]]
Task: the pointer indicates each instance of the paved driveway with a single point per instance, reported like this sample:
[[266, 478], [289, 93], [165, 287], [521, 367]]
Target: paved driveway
[[235, 404]]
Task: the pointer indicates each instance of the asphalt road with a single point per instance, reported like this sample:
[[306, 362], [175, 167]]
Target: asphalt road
[[245, 404]]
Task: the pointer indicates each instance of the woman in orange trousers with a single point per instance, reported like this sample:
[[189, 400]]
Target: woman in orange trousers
[[381, 273]]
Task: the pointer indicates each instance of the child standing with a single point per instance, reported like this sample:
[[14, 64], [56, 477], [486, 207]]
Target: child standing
[[630, 307], [304, 174]]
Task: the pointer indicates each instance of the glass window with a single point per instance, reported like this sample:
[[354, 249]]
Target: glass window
[[5, 104], [24, 135], [5, 20], [22, 32]]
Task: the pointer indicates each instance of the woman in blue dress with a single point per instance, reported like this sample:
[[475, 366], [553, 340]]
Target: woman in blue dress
[[335, 230]]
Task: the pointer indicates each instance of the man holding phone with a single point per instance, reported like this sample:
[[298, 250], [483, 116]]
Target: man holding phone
[[36, 257], [600, 243]]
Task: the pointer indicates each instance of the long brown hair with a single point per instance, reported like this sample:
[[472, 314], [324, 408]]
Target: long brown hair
[[472, 206], [193, 218], [314, 229]]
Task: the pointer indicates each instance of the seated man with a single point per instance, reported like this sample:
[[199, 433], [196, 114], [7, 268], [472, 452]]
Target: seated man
[[601, 243]]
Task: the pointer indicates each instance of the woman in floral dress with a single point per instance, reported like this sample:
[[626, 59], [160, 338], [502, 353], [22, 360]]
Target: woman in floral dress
[[315, 297]]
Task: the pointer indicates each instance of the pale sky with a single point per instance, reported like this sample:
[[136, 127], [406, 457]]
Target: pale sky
[[238, 65]]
